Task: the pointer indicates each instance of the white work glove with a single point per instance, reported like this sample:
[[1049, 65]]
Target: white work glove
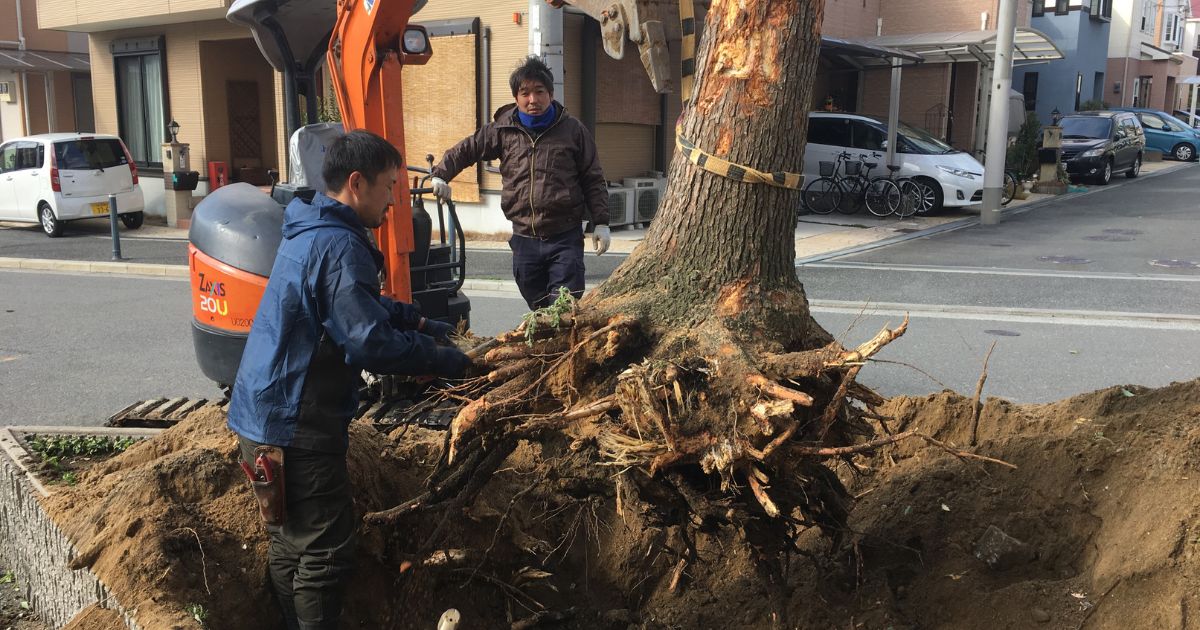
[[441, 189], [601, 238]]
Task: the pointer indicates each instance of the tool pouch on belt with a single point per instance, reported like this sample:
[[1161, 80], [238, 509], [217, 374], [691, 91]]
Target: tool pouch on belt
[[268, 484]]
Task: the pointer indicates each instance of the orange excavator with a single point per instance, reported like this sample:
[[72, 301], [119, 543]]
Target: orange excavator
[[236, 230]]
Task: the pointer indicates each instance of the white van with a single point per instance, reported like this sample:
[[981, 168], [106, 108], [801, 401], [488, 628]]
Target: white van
[[57, 177], [948, 177]]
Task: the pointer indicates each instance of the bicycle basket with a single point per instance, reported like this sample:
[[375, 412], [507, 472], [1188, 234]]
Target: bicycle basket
[[853, 168], [826, 168]]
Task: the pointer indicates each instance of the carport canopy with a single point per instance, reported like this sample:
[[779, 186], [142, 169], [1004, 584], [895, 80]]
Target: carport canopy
[[43, 61], [869, 53], [850, 49], [1028, 45]]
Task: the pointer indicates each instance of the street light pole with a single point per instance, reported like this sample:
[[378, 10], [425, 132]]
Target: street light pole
[[997, 129]]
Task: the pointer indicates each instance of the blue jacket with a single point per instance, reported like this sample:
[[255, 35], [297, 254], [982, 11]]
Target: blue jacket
[[321, 322]]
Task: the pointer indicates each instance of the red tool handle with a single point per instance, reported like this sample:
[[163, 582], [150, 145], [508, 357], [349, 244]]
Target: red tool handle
[[248, 470], [264, 463]]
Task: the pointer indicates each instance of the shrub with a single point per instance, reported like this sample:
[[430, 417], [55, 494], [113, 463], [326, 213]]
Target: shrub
[[1022, 154]]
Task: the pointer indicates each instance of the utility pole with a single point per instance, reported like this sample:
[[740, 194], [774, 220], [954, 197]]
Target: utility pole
[[997, 129]]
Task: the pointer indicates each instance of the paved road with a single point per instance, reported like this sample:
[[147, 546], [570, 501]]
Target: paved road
[[89, 240], [74, 348]]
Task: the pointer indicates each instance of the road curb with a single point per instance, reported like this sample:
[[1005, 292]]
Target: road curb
[[972, 221], [85, 266]]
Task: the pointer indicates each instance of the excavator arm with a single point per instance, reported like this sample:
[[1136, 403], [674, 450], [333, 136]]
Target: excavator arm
[[371, 43]]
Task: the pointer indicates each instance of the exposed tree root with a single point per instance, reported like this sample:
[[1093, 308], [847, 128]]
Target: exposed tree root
[[704, 420]]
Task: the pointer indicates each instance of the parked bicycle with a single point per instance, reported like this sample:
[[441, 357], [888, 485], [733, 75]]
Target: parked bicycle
[[910, 193], [856, 188], [1010, 187]]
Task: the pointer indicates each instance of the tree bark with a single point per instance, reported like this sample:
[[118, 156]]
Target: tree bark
[[693, 387], [719, 246]]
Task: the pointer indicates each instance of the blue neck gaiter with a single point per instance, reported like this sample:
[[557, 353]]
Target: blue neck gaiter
[[539, 122]]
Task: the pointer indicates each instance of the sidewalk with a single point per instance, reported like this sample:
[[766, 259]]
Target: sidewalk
[[817, 237]]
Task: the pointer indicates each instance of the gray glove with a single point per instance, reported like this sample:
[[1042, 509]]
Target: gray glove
[[441, 189], [601, 239], [438, 330]]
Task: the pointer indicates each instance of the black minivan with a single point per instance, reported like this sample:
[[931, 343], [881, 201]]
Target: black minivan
[[1098, 144]]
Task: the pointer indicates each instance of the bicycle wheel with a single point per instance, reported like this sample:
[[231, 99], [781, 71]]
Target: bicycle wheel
[[822, 195], [852, 195], [882, 197], [1010, 188], [910, 198]]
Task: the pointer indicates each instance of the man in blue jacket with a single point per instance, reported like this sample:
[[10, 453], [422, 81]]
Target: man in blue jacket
[[321, 322]]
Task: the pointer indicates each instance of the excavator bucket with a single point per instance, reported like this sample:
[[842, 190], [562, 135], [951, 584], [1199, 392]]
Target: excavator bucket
[[640, 22]]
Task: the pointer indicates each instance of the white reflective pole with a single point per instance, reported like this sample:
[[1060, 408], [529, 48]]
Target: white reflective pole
[[893, 112], [997, 129]]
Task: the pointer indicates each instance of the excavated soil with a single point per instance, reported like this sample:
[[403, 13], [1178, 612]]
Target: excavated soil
[[1104, 500]]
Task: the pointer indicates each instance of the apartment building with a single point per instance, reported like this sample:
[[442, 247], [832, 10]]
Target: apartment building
[[1148, 56], [153, 62], [1081, 30], [955, 38], [45, 84]]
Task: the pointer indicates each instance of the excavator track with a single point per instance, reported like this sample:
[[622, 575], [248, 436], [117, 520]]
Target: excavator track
[[159, 413]]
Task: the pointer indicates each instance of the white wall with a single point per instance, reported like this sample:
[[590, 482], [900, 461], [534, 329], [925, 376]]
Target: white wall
[[12, 117], [485, 217], [154, 195]]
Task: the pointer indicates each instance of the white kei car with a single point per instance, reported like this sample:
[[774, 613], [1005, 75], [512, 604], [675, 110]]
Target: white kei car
[[58, 177], [948, 177]]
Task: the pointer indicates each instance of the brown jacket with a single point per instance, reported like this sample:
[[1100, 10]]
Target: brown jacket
[[552, 182]]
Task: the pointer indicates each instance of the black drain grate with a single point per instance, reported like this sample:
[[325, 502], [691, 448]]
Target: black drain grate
[[1109, 238], [1124, 232], [1003, 333]]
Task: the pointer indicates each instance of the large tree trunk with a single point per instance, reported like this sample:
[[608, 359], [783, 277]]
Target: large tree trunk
[[692, 392], [720, 246]]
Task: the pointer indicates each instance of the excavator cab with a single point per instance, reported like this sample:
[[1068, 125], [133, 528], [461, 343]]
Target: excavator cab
[[236, 230]]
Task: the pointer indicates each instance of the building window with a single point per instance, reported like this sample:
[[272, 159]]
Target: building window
[[1039, 8], [1149, 8], [1061, 7], [1172, 35], [1100, 9], [1029, 90], [141, 105], [1078, 89]]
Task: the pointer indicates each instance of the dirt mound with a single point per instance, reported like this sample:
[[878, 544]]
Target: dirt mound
[[1102, 507]]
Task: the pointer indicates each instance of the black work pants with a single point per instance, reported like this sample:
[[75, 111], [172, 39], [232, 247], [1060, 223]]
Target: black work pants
[[312, 553], [541, 266]]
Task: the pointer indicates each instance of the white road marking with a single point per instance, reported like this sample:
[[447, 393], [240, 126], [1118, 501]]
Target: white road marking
[[1114, 319], [1001, 271]]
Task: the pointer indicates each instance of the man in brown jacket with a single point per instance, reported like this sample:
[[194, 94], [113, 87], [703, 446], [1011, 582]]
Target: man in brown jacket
[[552, 184]]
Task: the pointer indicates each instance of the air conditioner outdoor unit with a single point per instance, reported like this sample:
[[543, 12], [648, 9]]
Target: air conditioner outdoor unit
[[622, 208], [647, 195]]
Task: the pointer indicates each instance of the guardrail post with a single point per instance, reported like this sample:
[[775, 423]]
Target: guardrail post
[[112, 223]]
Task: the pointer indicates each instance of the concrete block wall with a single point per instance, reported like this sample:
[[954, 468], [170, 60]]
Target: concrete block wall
[[37, 551]]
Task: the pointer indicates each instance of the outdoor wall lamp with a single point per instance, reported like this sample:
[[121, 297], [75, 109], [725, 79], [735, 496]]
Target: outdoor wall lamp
[[173, 127], [1055, 116]]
